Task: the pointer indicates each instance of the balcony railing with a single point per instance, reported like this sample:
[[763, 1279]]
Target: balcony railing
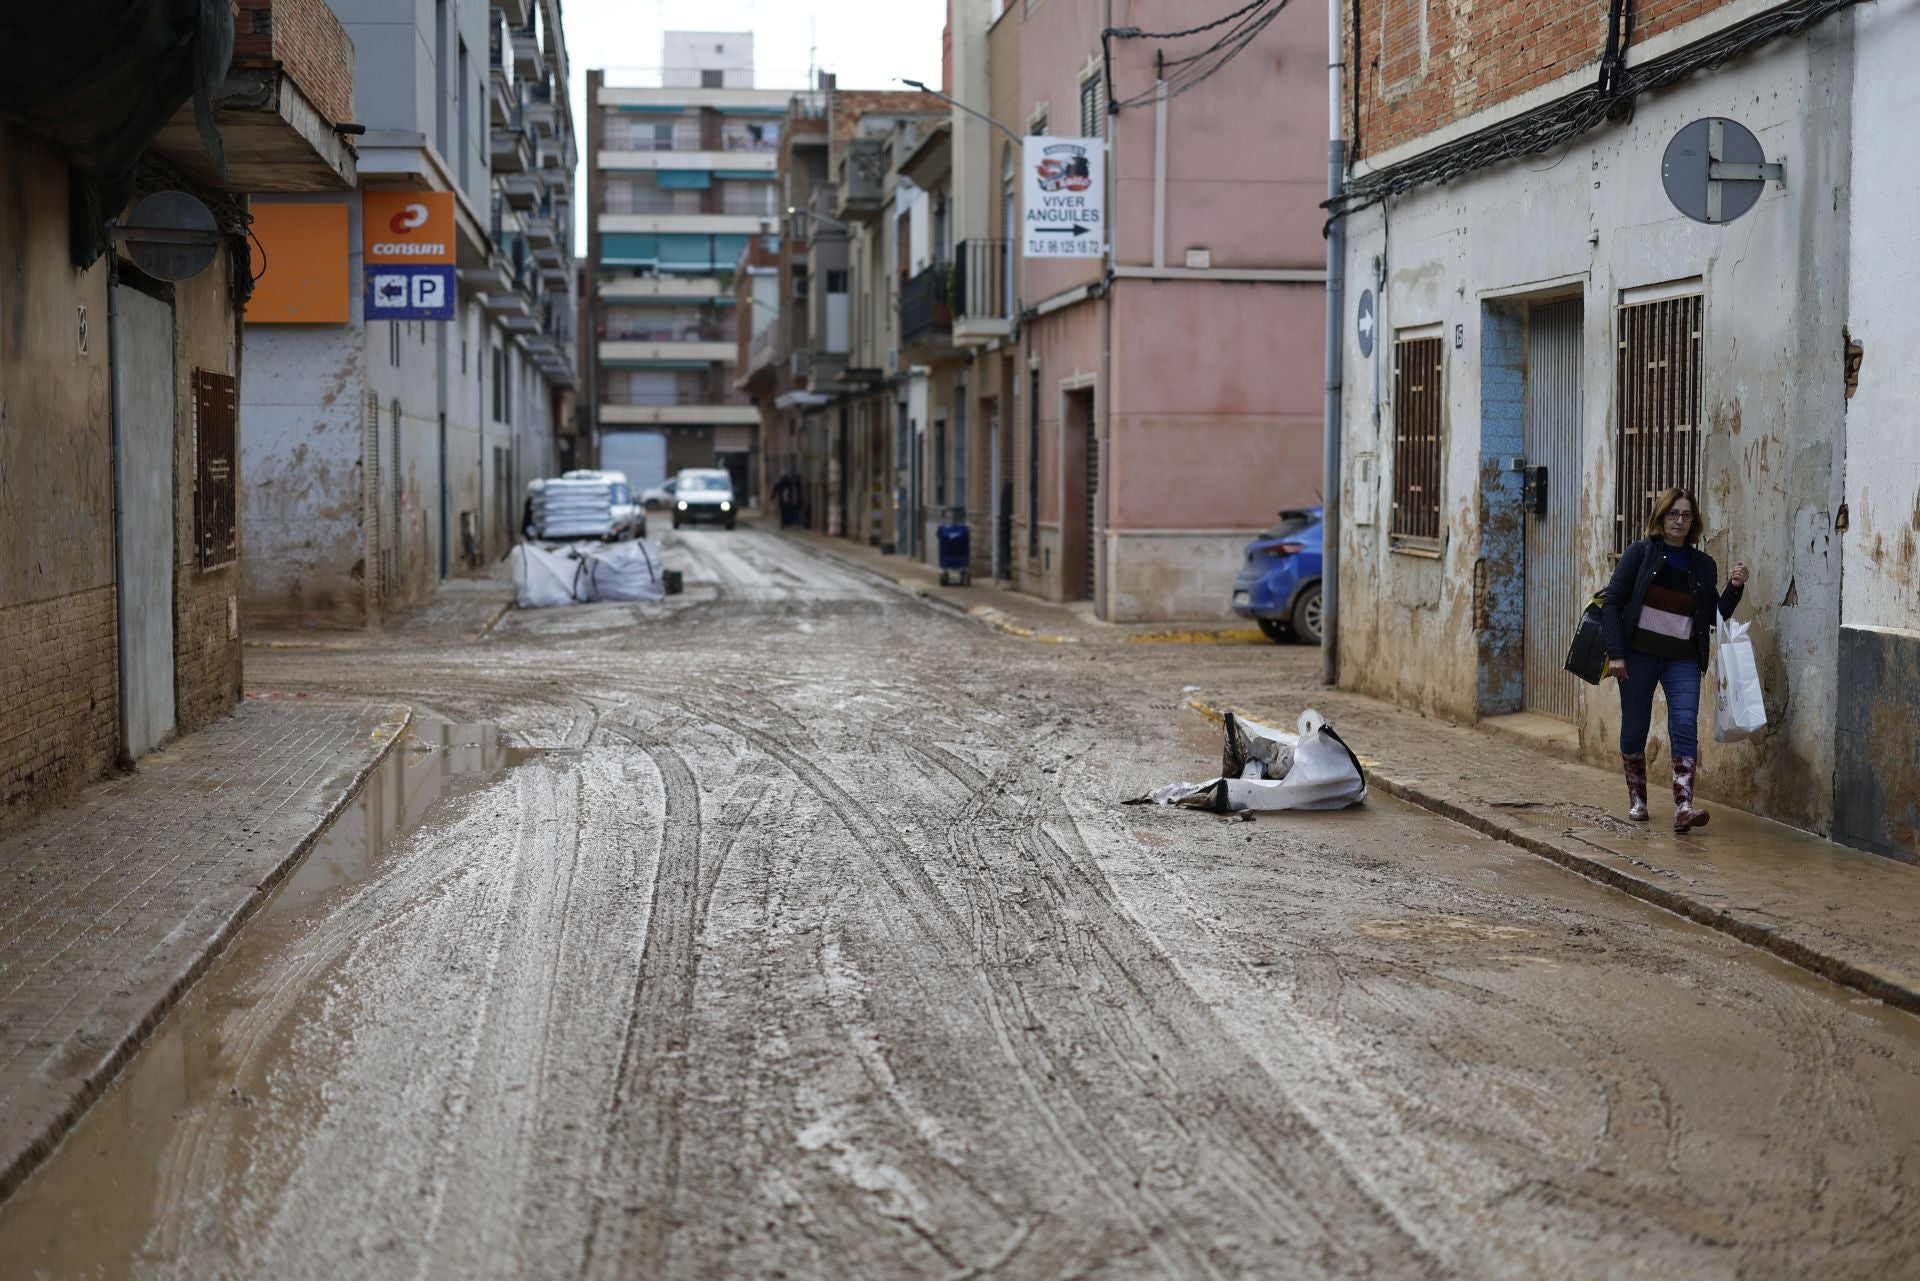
[[714, 330], [925, 310], [983, 280], [862, 178], [761, 348], [658, 398]]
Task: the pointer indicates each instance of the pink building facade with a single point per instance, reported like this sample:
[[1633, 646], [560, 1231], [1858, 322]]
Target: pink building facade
[[1167, 399]]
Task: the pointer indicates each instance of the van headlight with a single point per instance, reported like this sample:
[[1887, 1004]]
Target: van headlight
[[683, 506], [726, 507]]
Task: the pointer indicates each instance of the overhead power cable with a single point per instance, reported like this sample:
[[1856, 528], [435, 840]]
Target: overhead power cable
[[1186, 72], [1579, 112]]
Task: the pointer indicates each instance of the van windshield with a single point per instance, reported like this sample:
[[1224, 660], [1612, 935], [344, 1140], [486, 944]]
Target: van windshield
[[704, 484]]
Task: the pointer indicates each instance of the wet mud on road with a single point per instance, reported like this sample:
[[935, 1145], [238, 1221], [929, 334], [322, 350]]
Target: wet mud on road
[[800, 933]]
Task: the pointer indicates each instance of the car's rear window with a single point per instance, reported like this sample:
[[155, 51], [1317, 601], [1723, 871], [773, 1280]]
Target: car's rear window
[[1291, 523]]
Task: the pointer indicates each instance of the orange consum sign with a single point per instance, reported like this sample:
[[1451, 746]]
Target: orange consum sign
[[408, 246], [299, 264]]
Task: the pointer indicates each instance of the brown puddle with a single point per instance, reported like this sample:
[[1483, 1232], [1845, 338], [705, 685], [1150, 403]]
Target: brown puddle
[[101, 1206]]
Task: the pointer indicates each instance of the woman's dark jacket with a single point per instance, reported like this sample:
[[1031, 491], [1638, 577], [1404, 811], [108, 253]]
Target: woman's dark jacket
[[1627, 592]]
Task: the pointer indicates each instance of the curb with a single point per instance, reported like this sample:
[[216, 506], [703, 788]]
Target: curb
[[1889, 986], [89, 1088]]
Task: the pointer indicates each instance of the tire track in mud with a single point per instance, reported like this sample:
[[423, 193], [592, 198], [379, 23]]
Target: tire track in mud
[[639, 1180], [1061, 1091]]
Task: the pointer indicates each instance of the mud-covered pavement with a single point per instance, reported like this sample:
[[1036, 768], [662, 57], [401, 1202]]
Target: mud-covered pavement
[[804, 936]]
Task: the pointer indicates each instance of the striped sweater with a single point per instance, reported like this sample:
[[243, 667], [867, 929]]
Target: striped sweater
[[1666, 619]]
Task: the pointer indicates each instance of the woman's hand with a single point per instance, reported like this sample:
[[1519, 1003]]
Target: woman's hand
[[1739, 575], [1617, 667]]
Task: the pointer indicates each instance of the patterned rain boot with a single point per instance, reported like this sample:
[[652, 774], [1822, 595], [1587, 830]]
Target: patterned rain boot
[[1685, 816], [1636, 771]]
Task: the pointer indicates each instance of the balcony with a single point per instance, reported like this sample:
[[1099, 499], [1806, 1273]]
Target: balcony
[[510, 149], [695, 415], [617, 328], [541, 112], [637, 160], [982, 292], [697, 349], [516, 13], [523, 190], [926, 314], [290, 81], [862, 180], [539, 228], [528, 61]]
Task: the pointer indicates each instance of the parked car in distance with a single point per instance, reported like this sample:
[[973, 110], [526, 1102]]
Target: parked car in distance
[[628, 519], [660, 495], [1279, 585], [704, 493]]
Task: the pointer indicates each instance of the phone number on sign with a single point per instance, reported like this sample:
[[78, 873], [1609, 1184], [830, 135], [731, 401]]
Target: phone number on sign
[[1064, 248]]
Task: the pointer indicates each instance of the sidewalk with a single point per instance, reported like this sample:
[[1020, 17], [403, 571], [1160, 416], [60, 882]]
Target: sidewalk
[[1842, 913], [112, 905]]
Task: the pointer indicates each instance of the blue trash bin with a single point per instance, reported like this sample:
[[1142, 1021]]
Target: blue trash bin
[[956, 548]]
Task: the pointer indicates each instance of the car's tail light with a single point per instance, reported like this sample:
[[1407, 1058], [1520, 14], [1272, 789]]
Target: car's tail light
[[1283, 549]]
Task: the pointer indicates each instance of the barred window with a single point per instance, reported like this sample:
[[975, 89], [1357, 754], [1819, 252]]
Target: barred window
[[1093, 107], [1419, 368], [1658, 373]]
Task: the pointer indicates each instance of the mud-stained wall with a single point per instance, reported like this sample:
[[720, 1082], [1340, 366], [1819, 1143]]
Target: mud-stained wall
[[1882, 534], [207, 652], [303, 409], [59, 684], [1774, 286], [1877, 783]]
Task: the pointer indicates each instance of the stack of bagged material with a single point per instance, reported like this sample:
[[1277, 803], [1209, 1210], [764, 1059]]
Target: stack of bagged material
[[572, 508]]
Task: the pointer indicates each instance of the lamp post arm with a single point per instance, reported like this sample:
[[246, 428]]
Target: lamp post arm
[[955, 102]]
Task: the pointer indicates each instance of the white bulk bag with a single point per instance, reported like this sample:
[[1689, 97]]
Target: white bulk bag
[[626, 571], [545, 576]]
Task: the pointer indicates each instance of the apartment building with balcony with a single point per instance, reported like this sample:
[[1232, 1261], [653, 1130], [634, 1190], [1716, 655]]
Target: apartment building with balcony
[[684, 175], [824, 368], [385, 455]]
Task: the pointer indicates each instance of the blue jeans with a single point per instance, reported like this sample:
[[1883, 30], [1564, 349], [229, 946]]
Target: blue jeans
[[1680, 678]]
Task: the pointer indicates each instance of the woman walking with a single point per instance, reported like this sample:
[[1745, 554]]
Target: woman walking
[[1657, 620]]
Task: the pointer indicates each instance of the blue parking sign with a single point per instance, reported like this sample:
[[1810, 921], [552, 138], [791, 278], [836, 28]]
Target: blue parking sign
[[397, 291]]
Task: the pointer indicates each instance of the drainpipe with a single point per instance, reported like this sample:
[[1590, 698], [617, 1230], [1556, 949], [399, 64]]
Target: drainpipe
[[1103, 408], [117, 415], [1336, 261]]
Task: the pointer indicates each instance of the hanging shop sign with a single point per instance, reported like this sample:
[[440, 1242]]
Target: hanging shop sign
[[407, 240], [1065, 198]]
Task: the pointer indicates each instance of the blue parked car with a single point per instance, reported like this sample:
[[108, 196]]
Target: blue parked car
[[1279, 586]]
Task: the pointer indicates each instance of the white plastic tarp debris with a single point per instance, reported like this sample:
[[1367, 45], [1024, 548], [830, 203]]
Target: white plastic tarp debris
[[579, 573], [1269, 769]]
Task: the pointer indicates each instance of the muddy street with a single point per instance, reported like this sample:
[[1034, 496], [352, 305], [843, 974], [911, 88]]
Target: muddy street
[[793, 928]]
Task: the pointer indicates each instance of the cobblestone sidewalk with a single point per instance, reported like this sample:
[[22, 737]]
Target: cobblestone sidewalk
[[112, 905]]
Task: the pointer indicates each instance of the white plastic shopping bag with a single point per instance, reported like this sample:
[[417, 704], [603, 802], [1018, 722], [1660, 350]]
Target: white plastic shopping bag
[[1739, 708]]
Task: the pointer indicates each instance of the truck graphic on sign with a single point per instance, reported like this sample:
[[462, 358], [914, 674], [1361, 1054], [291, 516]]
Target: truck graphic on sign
[[1064, 167]]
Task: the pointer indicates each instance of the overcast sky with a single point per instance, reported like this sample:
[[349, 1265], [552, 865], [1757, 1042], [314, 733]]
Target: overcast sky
[[866, 43]]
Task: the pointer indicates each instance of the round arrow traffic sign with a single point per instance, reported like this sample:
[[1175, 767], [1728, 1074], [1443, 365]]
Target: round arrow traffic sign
[[1366, 322]]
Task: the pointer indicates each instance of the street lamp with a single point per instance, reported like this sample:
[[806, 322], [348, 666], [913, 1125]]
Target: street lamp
[[955, 102]]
